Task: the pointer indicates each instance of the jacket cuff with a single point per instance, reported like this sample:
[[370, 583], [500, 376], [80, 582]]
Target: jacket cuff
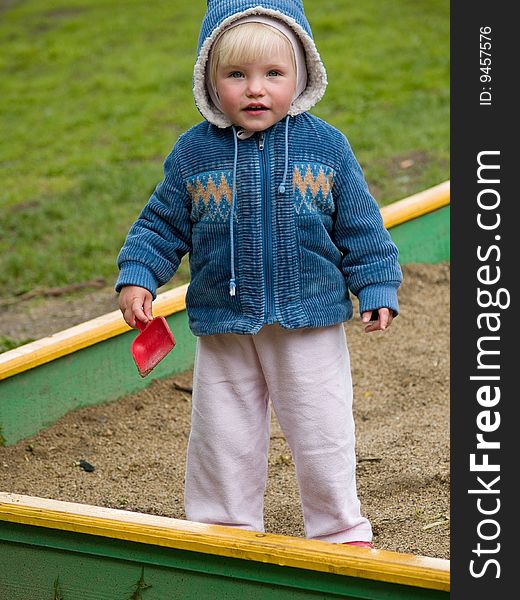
[[373, 297], [136, 273]]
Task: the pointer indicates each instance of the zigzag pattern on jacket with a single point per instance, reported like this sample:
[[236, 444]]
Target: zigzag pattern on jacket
[[211, 201], [312, 184]]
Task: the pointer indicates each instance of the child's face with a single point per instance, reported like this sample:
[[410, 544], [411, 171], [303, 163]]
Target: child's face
[[257, 95]]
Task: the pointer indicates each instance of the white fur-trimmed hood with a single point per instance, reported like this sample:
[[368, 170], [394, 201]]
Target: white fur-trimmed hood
[[220, 14]]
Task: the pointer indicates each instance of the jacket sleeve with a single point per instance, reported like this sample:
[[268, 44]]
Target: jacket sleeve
[[369, 256], [161, 235]]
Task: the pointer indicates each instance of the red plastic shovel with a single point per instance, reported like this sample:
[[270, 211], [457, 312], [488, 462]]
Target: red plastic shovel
[[152, 344]]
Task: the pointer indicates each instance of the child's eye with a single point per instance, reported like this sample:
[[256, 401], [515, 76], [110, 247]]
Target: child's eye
[[236, 74], [273, 73]]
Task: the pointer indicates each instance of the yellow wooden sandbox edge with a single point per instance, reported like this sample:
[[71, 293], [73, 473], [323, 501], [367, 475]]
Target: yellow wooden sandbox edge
[[380, 565], [109, 325], [83, 335], [417, 205]]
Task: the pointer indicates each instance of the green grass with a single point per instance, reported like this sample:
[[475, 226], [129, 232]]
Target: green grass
[[93, 94]]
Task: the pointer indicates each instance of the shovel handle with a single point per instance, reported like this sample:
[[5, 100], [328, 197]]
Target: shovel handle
[[140, 325]]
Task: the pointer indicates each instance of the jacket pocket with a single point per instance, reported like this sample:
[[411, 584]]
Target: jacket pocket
[[321, 280], [209, 266], [312, 189], [211, 196]]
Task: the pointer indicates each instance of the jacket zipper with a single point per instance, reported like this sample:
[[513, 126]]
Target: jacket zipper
[[267, 230]]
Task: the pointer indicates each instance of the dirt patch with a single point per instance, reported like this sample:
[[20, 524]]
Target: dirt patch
[[38, 314], [401, 389]]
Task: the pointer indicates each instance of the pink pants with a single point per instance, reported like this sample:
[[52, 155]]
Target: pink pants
[[306, 375]]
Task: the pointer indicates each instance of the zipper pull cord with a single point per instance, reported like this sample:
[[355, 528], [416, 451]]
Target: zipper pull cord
[[232, 281], [281, 189]]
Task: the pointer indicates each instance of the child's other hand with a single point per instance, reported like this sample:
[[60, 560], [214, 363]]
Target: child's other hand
[[135, 303], [383, 321]]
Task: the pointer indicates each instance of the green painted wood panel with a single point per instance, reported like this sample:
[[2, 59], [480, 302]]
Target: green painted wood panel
[[97, 568], [37, 398], [424, 240]]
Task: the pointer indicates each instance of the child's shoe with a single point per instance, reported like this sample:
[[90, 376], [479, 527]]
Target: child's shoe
[[360, 544]]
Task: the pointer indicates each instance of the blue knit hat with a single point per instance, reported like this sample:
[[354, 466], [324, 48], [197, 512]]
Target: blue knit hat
[[220, 14]]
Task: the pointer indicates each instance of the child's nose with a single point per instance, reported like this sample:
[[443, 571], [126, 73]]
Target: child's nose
[[255, 86]]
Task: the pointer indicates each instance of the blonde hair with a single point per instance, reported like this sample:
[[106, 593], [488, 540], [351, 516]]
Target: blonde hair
[[245, 44]]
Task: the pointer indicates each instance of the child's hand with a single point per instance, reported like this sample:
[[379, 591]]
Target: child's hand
[[135, 303], [383, 321]]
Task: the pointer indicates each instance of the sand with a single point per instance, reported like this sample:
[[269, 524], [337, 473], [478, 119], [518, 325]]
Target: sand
[[137, 445]]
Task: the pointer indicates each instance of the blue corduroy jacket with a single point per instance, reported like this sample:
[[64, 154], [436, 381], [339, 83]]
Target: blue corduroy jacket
[[279, 227]]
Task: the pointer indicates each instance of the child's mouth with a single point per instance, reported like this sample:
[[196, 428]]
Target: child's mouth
[[255, 108]]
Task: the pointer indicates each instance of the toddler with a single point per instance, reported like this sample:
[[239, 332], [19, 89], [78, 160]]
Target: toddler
[[273, 209]]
